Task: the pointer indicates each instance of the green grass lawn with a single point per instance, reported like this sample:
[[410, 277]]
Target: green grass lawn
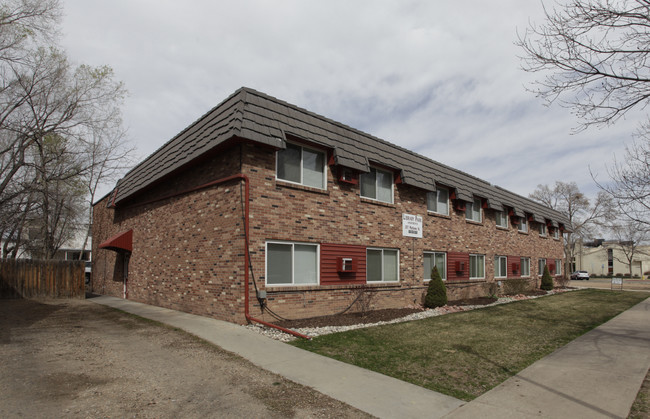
[[466, 354]]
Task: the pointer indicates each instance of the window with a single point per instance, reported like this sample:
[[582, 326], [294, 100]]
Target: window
[[558, 266], [541, 263], [523, 225], [500, 266], [501, 219], [291, 264], [542, 229], [476, 266], [377, 184], [438, 201], [473, 211], [301, 165], [525, 266], [556, 233], [437, 259], [382, 265]]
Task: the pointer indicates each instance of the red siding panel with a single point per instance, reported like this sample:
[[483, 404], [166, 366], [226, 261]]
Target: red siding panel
[[329, 255], [452, 259]]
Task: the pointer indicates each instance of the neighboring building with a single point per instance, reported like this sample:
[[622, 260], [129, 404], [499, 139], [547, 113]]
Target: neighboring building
[[604, 258], [262, 195]]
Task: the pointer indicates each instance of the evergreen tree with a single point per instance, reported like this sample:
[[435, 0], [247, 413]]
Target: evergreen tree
[[436, 292], [547, 281]]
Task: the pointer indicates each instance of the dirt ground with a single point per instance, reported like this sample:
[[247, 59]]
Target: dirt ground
[[75, 358]]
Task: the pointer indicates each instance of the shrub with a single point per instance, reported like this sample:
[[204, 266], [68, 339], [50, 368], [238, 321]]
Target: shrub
[[516, 286], [436, 292], [547, 281]]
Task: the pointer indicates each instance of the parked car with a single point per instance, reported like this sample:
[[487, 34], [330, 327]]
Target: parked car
[[580, 275]]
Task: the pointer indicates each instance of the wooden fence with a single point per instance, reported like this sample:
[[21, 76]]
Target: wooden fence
[[28, 278]]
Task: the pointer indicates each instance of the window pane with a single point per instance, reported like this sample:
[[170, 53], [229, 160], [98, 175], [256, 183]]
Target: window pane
[[390, 265], [432, 202], [373, 265], [440, 264], [384, 186], [443, 201], [312, 168], [305, 264], [472, 266], [368, 185], [289, 163], [278, 264], [428, 265], [480, 261], [497, 266]]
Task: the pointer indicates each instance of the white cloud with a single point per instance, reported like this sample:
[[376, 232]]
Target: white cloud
[[440, 78]]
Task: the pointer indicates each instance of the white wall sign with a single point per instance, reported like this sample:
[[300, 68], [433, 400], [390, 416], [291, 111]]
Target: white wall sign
[[412, 225]]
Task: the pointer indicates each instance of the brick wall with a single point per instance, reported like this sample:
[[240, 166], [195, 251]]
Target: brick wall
[[188, 250]]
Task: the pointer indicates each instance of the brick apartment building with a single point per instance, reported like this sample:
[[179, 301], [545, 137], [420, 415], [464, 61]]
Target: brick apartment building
[[259, 197]]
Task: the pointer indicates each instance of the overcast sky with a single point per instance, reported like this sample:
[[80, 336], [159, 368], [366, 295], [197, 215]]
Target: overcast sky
[[441, 78]]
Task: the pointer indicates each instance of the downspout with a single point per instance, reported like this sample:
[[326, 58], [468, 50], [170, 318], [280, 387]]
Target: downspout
[[243, 177]]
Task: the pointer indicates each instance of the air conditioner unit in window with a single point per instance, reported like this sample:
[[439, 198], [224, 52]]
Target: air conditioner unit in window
[[460, 266], [346, 265]]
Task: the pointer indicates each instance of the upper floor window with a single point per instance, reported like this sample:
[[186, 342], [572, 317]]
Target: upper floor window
[[438, 201], [476, 266], [500, 266], [382, 265], [377, 184], [473, 211], [291, 263], [437, 259], [523, 225], [556, 233], [301, 165], [542, 229], [501, 219]]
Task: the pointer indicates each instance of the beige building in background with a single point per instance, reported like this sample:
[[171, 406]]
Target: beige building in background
[[608, 257]]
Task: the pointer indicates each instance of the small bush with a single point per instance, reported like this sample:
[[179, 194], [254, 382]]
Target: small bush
[[436, 292], [547, 281], [516, 286]]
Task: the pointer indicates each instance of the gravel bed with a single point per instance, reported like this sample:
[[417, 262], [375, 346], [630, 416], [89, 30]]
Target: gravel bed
[[318, 331]]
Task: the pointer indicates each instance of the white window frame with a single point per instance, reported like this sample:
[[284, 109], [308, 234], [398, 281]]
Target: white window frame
[[302, 171], [470, 266], [433, 199], [521, 267], [542, 230], [523, 225], [497, 263], [443, 272], [293, 264], [504, 217], [556, 233], [558, 266], [470, 211], [392, 184], [541, 263], [382, 280]]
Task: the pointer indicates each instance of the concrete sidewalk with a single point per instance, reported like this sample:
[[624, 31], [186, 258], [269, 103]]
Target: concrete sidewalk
[[374, 393], [596, 375]]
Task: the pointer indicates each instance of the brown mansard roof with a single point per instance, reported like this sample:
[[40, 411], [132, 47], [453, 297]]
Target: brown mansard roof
[[260, 118]]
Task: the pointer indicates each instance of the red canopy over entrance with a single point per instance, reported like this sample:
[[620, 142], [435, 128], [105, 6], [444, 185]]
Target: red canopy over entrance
[[120, 242]]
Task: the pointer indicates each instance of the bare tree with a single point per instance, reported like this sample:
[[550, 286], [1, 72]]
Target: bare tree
[[585, 216], [629, 237], [595, 55]]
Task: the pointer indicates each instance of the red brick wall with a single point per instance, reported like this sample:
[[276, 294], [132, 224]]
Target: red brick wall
[[188, 251]]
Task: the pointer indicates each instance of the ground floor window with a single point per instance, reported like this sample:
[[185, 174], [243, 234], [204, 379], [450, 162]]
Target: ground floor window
[[382, 265], [437, 259], [291, 263], [500, 266], [476, 266], [558, 266], [541, 263], [525, 266]]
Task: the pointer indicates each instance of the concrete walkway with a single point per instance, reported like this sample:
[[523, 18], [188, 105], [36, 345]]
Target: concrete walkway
[[596, 375], [374, 393]]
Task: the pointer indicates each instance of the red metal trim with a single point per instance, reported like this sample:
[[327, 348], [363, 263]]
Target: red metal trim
[[120, 242]]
